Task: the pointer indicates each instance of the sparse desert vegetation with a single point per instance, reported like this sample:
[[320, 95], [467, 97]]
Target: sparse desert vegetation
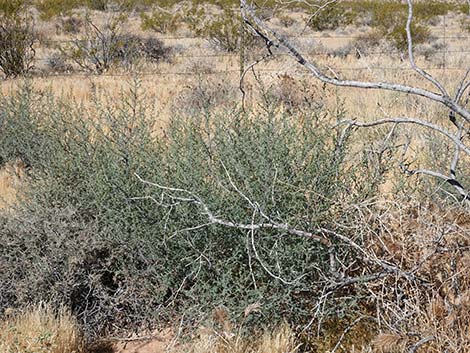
[[174, 176]]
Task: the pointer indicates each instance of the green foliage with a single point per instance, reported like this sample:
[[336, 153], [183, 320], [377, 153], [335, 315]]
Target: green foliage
[[160, 21], [332, 17], [12, 8], [419, 34], [52, 8], [224, 30], [120, 253]]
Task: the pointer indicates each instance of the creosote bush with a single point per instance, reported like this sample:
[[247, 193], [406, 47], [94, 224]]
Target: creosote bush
[[90, 235]]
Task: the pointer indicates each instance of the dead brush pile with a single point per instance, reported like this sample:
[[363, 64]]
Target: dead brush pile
[[429, 310]]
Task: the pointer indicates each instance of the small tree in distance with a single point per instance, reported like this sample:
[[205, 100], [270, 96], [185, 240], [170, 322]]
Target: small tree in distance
[[17, 37]]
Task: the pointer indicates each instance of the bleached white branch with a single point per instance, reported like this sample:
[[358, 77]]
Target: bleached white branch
[[415, 67], [403, 120]]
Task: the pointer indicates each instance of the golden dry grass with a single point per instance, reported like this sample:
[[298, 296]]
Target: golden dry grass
[[11, 176], [40, 329], [280, 340]]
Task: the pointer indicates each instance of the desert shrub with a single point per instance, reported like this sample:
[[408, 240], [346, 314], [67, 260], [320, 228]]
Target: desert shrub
[[49, 9], [431, 50], [387, 17], [204, 92], [286, 20], [160, 21], [294, 95], [101, 48], [17, 37], [71, 24], [390, 18], [88, 234], [154, 49], [465, 24], [100, 5], [224, 31], [56, 62], [419, 34], [332, 17]]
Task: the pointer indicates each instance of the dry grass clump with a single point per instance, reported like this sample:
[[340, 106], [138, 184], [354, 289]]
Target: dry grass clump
[[280, 340], [40, 329], [11, 176]]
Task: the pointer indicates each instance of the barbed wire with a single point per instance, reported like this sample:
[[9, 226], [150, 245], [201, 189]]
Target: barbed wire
[[301, 36], [74, 74], [325, 53]]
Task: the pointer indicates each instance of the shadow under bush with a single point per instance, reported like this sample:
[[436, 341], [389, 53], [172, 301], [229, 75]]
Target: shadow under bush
[[90, 235]]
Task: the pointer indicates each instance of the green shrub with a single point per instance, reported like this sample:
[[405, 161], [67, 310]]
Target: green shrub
[[419, 34], [160, 21], [52, 8], [100, 5], [224, 31], [121, 253], [333, 17], [389, 18]]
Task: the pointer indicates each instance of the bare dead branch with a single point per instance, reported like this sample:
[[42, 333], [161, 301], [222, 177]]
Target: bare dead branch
[[404, 120]]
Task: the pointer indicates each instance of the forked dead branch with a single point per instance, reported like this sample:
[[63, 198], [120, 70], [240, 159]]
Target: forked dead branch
[[458, 116]]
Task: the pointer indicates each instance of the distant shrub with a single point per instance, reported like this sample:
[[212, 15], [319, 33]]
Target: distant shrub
[[160, 21], [332, 17], [419, 34], [224, 31], [154, 49], [56, 62], [465, 24], [99, 49], [295, 96], [71, 24], [389, 18], [366, 43], [286, 20], [49, 9], [204, 92], [17, 36], [100, 5]]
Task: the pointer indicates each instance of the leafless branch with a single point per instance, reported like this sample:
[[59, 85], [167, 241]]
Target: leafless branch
[[404, 120]]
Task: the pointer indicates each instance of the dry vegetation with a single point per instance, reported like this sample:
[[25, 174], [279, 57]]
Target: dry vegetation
[[68, 164], [40, 329]]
